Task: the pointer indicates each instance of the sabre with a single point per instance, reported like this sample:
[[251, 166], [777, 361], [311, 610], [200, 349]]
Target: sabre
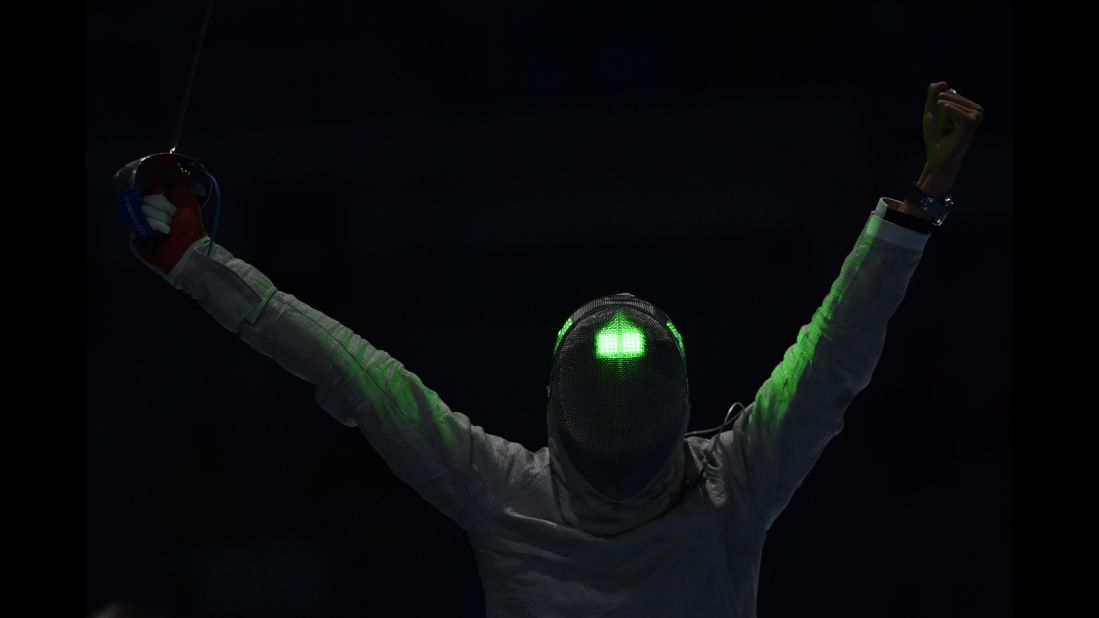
[[156, 172]]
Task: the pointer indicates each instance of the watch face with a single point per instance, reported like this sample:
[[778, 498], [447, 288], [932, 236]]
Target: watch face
[[936, 209], [931, 204]]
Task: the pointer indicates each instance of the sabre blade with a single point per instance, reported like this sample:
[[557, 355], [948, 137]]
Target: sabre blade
[[191, 77]]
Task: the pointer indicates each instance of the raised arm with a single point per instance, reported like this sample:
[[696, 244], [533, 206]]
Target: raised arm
[[779, 437], [452, 463]]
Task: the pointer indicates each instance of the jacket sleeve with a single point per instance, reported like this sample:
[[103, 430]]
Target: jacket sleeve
[[779, 437], [455, 465]]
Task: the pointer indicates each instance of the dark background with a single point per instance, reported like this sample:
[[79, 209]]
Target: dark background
[[451, 182]]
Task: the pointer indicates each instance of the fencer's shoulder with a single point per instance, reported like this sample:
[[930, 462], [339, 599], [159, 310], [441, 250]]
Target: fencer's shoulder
[[539, 461], [697, 444], [700, 452]]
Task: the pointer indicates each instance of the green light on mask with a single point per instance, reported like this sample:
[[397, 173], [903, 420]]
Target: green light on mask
[[620, 338], [561, 334], [679, 337]]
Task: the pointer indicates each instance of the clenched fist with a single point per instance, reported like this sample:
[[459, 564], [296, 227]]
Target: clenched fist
[[949, 123], [175, 213]]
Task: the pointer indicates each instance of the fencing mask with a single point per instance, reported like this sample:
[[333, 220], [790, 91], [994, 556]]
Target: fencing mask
[[618, 400]]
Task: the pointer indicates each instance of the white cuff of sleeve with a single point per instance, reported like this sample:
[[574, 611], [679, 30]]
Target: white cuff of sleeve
[[228, 288], [877, 227]]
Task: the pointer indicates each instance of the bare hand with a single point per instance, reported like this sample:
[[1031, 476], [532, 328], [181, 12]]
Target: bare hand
[[949, 123]]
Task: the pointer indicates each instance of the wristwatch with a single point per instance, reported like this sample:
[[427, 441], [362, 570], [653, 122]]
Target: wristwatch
[[935, 208]]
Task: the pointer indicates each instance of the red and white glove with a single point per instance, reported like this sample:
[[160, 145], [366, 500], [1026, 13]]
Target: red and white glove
[[176, 214]]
